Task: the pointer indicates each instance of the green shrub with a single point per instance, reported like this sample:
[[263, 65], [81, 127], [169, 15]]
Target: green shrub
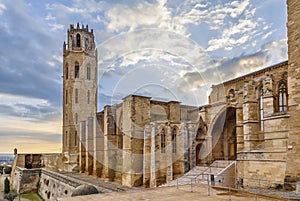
[[11, 195]]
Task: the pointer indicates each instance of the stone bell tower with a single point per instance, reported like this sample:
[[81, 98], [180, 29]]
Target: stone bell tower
[[79, 88]]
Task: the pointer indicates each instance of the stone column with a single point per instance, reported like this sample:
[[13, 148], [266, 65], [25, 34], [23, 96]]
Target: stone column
[[147, 156], [192, 135], [169, 162], [184, 135], [153, 156], [239, 128], [98, 145], [89, 146], [82, 148], [250, 116]]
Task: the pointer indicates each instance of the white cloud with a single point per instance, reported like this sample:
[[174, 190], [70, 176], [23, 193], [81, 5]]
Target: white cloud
[[49, 17], [2, 8]]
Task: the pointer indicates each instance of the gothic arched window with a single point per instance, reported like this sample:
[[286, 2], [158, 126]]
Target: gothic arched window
[[67, 71], [260, 93], [75, 139], [174, 140], [163, 140], [78, 40], [88, 72], [76, 95], [282, 96], [76, 69], [76, 118]]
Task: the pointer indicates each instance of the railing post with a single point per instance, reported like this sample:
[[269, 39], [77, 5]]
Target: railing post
[[177, 182], [208, 187], [191, 184]]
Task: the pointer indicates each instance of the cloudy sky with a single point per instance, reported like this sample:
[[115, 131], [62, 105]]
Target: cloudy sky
[[169, 50]]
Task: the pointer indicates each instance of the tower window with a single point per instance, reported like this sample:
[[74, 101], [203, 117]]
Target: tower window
[[282, 97], [78, 40], [174, 142], [76, 95], [75, 139], [67, 71], [261, 107], [88, 72], [76, 70], [88, 97], [66, 139], [76, 118], [66, 97], [163, 141]]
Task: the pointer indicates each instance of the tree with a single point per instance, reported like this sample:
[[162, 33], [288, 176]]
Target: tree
[[6, 186]]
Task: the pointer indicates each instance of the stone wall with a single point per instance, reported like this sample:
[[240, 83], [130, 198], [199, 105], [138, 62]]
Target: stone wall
[[293, 153], [53, 186], [25, 180]]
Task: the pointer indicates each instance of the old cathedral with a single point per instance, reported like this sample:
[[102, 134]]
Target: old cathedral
[[253, 120]]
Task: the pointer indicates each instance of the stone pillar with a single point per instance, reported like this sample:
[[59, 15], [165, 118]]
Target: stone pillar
[[192, 132], [239, 123], [110, 144], [250, 116], [82, 148], [293, 153], [147, 156], [98, 145], [169, 176], [136, 114], [89, 146], [268, 98], [153, 156], [183, 131]]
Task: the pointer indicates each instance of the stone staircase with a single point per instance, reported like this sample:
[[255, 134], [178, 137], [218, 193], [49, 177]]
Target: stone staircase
[[200, 173]]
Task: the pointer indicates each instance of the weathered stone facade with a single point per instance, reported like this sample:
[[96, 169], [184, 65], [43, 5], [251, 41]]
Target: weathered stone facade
[[253, 119], [79, 89]]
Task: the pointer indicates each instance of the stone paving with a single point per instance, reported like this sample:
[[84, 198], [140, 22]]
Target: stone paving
[[200, 192]]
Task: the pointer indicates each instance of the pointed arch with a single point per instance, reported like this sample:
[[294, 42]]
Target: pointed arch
[[163, 140], [77, 69], [282, 96], [78, 38], [174, 139], [260, 93]]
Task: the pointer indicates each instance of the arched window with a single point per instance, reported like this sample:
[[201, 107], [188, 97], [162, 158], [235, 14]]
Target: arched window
[[75, 139], [88, 72], [88, 97], [76, 69], [66, 97], [282, 96], [174, 140], [163, 140], [66, 139], [78, 40], [261, 107], [76, 95], [231, 93], [67, 71], [76, 118]]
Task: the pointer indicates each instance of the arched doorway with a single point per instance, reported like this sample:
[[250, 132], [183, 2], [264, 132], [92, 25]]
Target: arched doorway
[[201, 155], [224, 136]]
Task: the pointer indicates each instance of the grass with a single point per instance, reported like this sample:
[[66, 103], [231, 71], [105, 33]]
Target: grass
[[33, 197]]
